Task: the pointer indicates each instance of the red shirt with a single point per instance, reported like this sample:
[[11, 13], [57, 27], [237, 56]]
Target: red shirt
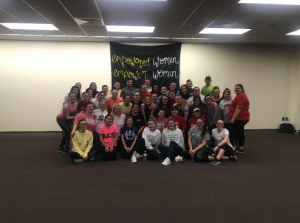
[[240, 99], [192, 122], [143, 96], [82, 106], [110, 102], [180, 123], [91, 123]]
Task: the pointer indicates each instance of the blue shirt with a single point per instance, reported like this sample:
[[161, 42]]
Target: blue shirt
[[129, 134]]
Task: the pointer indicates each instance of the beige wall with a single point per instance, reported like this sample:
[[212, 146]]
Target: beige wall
[[35, 76]]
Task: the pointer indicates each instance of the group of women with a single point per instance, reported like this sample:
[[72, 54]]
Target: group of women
[[154, 122]]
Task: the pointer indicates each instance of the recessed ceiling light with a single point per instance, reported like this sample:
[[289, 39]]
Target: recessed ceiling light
[[131, 29], [295, 33], [200, 38], [76, 36], [223, 31], [100, 36], [181, 38], [140, 37], [56, 35], [160, 38], [274, 2], [29, 26]]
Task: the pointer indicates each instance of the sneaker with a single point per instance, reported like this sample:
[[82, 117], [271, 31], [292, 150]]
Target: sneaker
[[61, 150], [133, 159], [138, 155], [215, 162], [178, 159], [92, 159], [232, 158], [241, 150], [78, 160], [166, 162]]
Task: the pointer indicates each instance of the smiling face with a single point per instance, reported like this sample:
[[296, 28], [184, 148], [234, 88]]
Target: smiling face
[[78, 85], [216, 93], [93, 86], [115, 95], [144, 89], [90, 92], [129, 122], [127, 99], [172, 95], [129, 84], [207, 82], [172, 86], [108, 120], [136, 96], [184, 89], [90, 108], [161, 114], [117, 85], [220, 125], [148, 100], [171, 125], [178, 100], [85, 97], [75, 90], [101, 96], [72, 97], [164, 100], [197, 114], [238, 89], [189, 84], [151, 125], [102, 105], [155, 88], [118, 110], [227, 95], [174, 113], [196, 91], [135, 108], [197, 101], [82, 125], [147, 82], [208, 100], [163, 90], [154, 97], [200, 123], [105, 89]]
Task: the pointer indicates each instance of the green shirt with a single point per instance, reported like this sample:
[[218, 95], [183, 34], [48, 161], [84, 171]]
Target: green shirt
[[207, 90]]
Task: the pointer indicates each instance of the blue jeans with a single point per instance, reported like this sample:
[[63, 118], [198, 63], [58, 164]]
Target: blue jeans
[[172, 151]]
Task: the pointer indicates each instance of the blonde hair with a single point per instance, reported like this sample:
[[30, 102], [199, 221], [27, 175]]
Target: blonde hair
[[140, 90], [152, 105], [169, 120], [183, 103], [113, 110]]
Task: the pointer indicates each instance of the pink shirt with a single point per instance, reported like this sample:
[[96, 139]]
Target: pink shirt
[[108, 134], [72, 112], [91, 123], [161, 124]]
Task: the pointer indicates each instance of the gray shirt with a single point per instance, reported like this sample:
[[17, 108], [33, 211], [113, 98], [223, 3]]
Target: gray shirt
[[125, 91], [196, 136]]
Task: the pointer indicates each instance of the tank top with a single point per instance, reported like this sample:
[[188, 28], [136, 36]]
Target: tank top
[[211, 113], [72, 112]]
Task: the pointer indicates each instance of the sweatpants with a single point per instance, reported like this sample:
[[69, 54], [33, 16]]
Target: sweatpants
[[229, 151], [66, 127], [109, 155], [172, 151], [232, 134], [91, 154], [239, 130]]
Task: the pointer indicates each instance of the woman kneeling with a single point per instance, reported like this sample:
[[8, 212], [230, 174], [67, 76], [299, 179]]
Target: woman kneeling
[[223, 148], [82, 144], [172, 146], [148, 143]]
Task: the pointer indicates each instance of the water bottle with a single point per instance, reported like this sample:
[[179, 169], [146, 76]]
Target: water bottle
[[145, 156]]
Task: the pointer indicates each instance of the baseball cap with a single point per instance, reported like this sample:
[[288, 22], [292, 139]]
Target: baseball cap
[[207, 78], [197, 109]]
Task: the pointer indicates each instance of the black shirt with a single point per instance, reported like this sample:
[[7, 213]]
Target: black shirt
[[138, 121]]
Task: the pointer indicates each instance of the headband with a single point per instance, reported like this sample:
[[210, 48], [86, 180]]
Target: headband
[[114, 90], [203, 120]]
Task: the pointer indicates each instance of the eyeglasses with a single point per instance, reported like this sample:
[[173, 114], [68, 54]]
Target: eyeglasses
[[83, 124]]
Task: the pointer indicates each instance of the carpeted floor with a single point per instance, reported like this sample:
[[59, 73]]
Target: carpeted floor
[[40, 185]]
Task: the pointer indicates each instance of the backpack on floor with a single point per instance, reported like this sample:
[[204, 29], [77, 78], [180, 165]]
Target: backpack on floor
[[287, 128]]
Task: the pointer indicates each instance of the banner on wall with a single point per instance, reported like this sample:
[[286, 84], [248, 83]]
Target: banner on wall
[[158, 63]]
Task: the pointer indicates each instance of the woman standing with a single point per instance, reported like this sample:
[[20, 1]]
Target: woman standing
[[82, 144], [65, 119], [93, 86], [143, 92], [216, 95], [172, 146], [225, 109], [126, 105], [136, 100], [75, 90], [223, 147], [82, 105], [181, 107], [161, 120], [148, 143], [129, 135], [184, 92], [148, 108], [164, 104], [239, 114], [99, 97], [213, 112], [99, 115], [198, 137], [138, 119], [79, 85], [163, 91], [108, 137], [198, 104], [113, 100], [117, 86]]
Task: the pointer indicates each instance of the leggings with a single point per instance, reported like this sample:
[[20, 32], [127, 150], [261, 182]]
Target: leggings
[[140, 148], [232, 134], [66, 127], [172, 151], [91, 154], [202, 151], [239, 130], [229, 151], [109, 155]]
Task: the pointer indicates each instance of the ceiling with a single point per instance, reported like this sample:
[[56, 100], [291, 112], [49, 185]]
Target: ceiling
[[173, 19]]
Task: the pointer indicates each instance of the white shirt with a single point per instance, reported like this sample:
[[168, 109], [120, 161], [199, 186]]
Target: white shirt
[[190, 101], [151, 138], [219, 136]]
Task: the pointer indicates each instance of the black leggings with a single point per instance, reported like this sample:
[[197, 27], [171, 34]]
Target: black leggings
[[91, 154], [172, 151], [109, 155], [232, 134], [66, 127], [140, 148], [202, 151], [239, 130], [229, 151]]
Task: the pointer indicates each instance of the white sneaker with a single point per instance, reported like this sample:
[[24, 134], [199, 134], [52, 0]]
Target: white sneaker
[[133, 159], [138, 155], [78, 160], [166, 162], [178, 159]]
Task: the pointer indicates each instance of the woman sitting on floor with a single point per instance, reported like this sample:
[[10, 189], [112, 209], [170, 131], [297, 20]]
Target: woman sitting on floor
[[82, 144], [172, 146], [108, 137], [148, 143], [129, 135], [223, 147], [198, 137]]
